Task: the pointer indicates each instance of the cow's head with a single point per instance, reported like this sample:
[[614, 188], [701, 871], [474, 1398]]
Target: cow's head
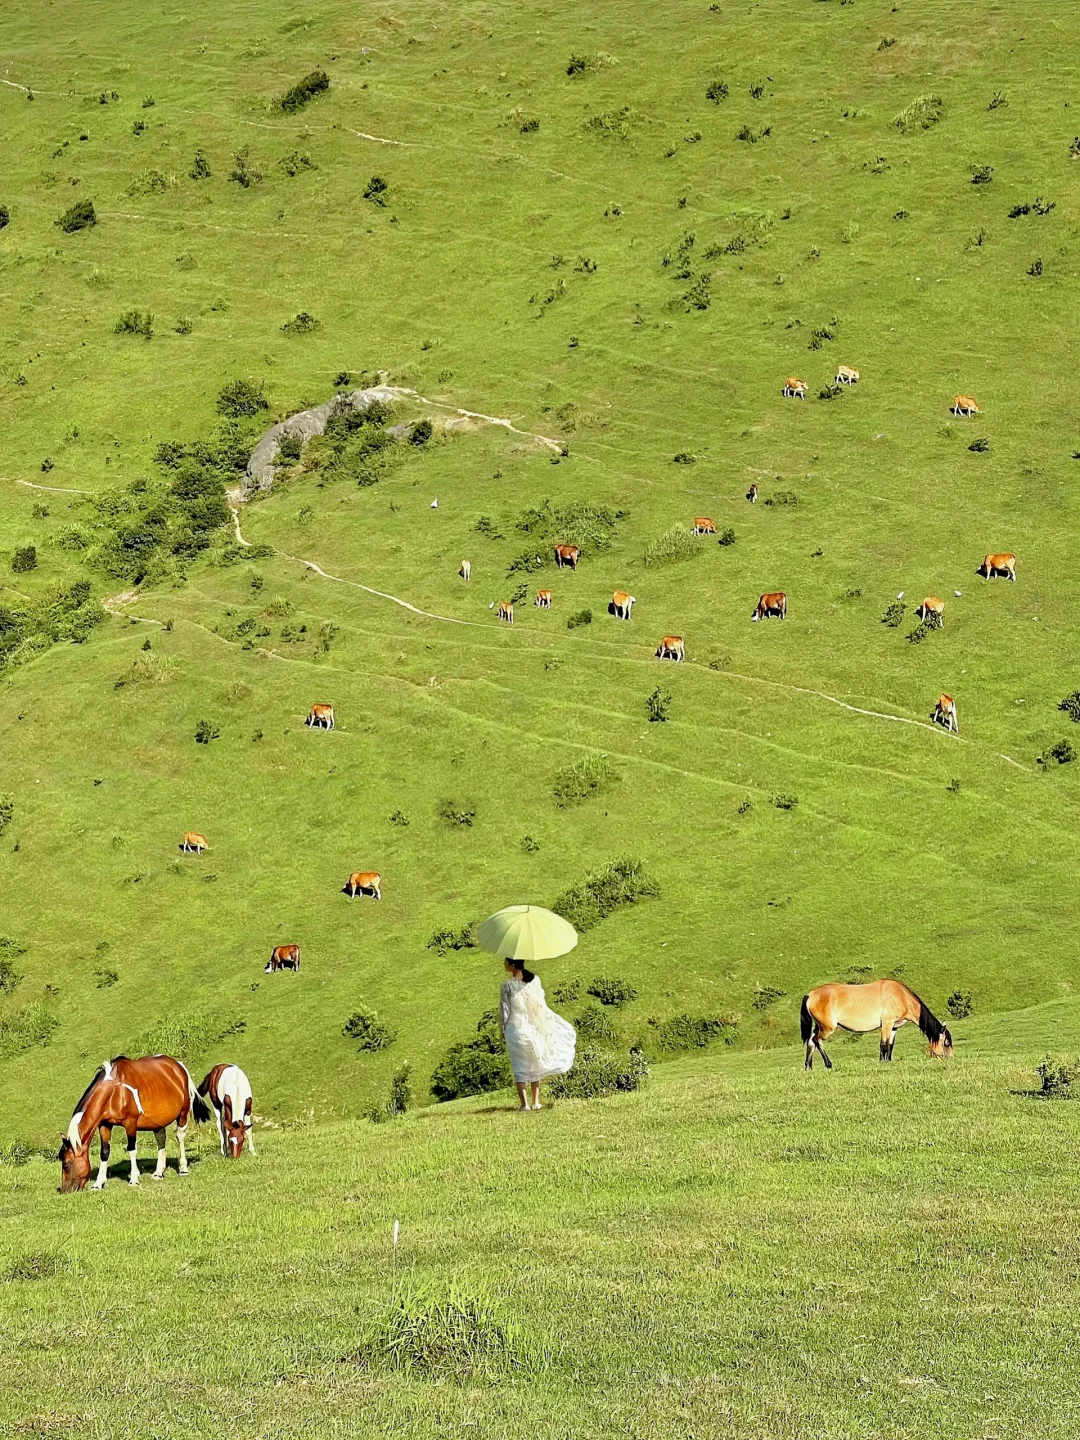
[[74, 1166]]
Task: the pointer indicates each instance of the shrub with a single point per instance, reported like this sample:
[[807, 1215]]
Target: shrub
[[530, 127], [620, 882], [530, 844], [80, 216], [301, 324], [365, 1027], [1035, 269], [612, 991], [1057, 1078], [567, 992], [982, 174], [397, 1102], [1071, 706], [475, 1066], [242, 173], [5, 217], [782, 497], [421, 432], [980, 445], [726, 536], [894, 615], [455, 813], [22, 1029], [595, 1075], [448, 1335], [959, 1004], [998, 101], [610, 124], [24, 558], [658, 704], [1063, 751], [672, 546], [593, 1024], [296, 162], [766, 995], [183, 325], [151, 669], [205, 731], [376, 190], [579, 617], [298, 95], [590, 775], [785, 802], [200, 166], [9, 976], [1043, 207], [398, 817], [590, 527], [240, 399], [830, 392], [135, 322], [185, 1035], [445, 938], [36, 1265], [291, 445], [923, 112], [698, 296], [105, 978], [919, 634], [692, 1032]]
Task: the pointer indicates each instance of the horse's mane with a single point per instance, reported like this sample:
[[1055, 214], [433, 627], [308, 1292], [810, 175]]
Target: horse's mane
[[85, 1096], [929, 1024]]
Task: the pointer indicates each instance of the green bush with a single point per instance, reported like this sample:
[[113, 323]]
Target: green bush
[[716, 91], [24, 558], [785, 802], [298, 95], [200, 166], [923, 112], [80, 216], [590, 527], [185, 1035], [783, 497], [620, 882], [448, 1336], [1063, 751], [579, 617], [672, 546], [23, 1029], [9, 976], [397, 1102], [726, 536], [445, 938], [593, 1024], [658, 704], [766, 995], [599, 1073], [205, 731], [376, 190], [453, 812], [474, 1066], [692, 1032], [301, 324], [982, 174], [238, 399], [894, 615], [567, 992], [1071, 705], [5, 217], [135, 322], [1057, 1078], [612, 991], [365, 1027], [243, 173], [959, 1004], [421, 432], [590, 775], [294, 164]]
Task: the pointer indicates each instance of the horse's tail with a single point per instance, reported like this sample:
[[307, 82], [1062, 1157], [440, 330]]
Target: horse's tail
[[199, 1108], [806, 1020]]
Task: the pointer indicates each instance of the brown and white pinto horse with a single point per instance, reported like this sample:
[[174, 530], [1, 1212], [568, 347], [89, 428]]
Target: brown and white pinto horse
[[671, 647], [229, 1092], [1000, 564], [703, 525], [320, 717], [751, 494], [364, 882], [283, 957], [194, 841], [567, 555], [773, 602], [146, 1094], [882, 1005]]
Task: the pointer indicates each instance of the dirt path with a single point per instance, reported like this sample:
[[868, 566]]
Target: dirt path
[[53, 489]]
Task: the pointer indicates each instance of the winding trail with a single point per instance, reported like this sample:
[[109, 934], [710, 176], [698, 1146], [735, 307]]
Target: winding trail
[[53, 489]]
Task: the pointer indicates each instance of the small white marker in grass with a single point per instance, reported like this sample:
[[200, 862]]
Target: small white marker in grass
[[434, 505]]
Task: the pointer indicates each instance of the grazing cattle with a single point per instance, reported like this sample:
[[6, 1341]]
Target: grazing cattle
[[283, 957], [944, 713], [466, 570], [543, 600], [567, 555], [932, 606], [671, 647], [229, 1092], [882, 1005], [772, 603], [146, 1094], [193, 841], [845, 375], [364, 882], [794, 388], [320, 716], [964, 405], [622, 604], [751, 494], [506, 611], [703, 525], [999, 565]]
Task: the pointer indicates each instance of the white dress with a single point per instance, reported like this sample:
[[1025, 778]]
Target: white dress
[[540, 1043]]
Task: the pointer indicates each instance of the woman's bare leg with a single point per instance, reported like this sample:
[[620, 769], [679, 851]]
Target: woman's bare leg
[[536, 1095], [523, 1094]]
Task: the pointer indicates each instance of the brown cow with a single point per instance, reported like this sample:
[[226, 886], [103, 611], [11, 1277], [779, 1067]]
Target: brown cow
[[944, 713], [567, 555], [845, 375], [321, 716], [794, 388], [543, 600], [999, 565], [364, 882], [964, 405], [931, 605], [774, 602], [194, 841], [671, 647], [703, 525], [751, 494], [506, 611], [283, 957], [622, 604]]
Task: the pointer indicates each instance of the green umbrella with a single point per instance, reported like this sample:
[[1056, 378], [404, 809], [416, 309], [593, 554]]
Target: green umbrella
[[526, 932]]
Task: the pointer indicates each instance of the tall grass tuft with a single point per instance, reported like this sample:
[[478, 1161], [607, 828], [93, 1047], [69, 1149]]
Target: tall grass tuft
[[450, 1335], [592, 774], [22, 1029], [923, 112], [185, 1035], [620, 882], [672, 546]]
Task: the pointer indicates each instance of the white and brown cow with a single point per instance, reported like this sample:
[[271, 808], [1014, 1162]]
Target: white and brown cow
[[794, 388], [671, 647], [944, 713], [703, 525], [567, 555], [283, 957], [320, 717], [773, 602]]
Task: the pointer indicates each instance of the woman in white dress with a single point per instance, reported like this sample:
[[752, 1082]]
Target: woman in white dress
[[539, 1042]]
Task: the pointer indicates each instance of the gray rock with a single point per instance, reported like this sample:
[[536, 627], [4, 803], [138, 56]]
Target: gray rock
[[306, 423]]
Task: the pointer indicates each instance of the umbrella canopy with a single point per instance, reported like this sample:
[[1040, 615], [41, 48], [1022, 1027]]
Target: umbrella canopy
[[526, 932]]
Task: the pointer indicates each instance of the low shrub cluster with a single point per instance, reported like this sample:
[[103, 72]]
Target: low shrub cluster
[[1058, 1078], [305, 90], [590, 775], [80, 216], [445, 938], [448, 1336], [397, 1102], [135, 322], [67, 614], [593, 1024], [673, 545], [474, 1066], [923, 112], [590, 527], [597, 1073], [658, 704], [454, 812], [959, 1004], [26, 1027], [579, 617], [9, 975], [185, 1035], [766, 995], [356, 445], [692, 1032], [612, 991], [620, 882], [369, 1032]]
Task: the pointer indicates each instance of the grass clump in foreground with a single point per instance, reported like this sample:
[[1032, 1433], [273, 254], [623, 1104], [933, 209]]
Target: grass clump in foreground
[[597, 1073], [672, 546], [27, 1027], [620, 882], [582, 779], [692, 1032], [474, 1066], [450, 1335]]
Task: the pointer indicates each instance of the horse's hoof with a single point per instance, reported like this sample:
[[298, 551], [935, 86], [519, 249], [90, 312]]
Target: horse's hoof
[[156, 1176], [133, 1183], [184, 1171], [97, 1187]]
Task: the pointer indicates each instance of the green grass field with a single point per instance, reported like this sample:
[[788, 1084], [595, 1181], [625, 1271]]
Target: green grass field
[[545, 275]]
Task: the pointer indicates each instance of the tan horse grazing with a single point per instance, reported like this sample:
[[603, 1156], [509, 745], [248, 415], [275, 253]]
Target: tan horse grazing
[[364, 882], [1000, 564], [882, 1005], [964, 405], [944, 713], [671, 647], [931, 605], [146, 1094], [506, 611], [543, 600]]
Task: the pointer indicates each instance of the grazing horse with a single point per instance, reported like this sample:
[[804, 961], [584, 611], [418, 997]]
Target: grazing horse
[[774, 602], [229, 1092], [543, 600], [794, 388], [146, 1094], [671, 647], [567, 555], [964, 405], [466, 574], [283, 957], [999, 565], [845, 375], [932, 606], [193, 841], [622, 604], [364, 882], [882, 1005], [506, 611], [751, 494], [321, 716], [703, 525], [944, 713]]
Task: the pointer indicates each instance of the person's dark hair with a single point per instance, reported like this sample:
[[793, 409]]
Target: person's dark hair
[[526, 975]]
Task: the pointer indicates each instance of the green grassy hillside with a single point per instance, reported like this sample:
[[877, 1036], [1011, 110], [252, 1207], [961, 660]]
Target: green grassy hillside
[[952, 858]]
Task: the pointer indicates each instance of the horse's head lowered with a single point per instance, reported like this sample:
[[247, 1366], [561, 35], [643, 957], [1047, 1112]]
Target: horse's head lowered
[[235, 1130], [74, 1166], [941, 1046]]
